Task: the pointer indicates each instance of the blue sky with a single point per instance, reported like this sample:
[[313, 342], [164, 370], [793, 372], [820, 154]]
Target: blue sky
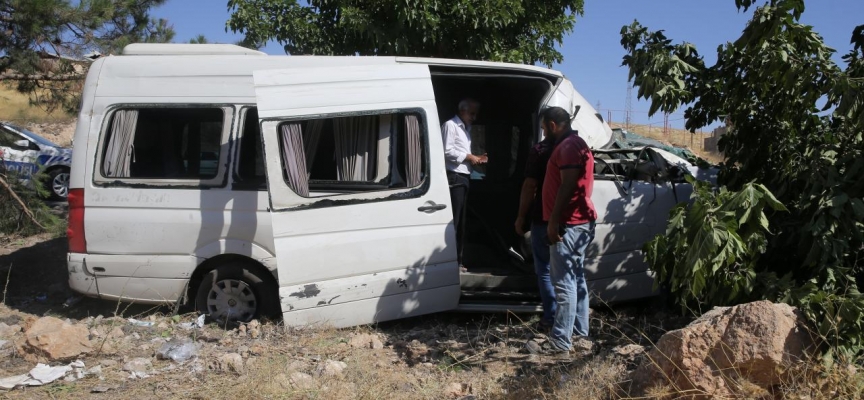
[[592, 53]]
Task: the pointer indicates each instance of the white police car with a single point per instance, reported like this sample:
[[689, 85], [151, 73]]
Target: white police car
[[23, 153]]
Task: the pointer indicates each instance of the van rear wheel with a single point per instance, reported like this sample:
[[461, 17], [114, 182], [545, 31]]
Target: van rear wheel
[[235, 293]]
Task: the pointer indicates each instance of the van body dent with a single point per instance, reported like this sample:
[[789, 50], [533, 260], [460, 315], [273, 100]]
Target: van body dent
[[314, 187]]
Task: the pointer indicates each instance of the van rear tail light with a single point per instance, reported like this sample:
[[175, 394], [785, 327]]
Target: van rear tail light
[[75, 231]]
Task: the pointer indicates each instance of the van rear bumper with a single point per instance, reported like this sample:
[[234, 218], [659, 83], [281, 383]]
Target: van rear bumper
[[136, 289], [80, 279]]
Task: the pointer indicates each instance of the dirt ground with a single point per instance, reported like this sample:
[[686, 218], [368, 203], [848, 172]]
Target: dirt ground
[[448, 355]]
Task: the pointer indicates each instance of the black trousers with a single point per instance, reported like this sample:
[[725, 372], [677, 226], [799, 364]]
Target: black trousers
[[459, 184]]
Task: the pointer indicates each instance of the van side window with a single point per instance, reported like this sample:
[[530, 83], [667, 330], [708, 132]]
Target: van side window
[[250, 165], [353, 154], [163, 143]]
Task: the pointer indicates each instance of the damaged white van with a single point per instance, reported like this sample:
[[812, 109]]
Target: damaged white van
[[249, 185]]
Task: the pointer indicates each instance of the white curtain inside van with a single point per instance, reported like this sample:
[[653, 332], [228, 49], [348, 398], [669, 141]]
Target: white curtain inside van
[[356, 146], [119, 154], [413, 161], [311, 137], [294, 158]]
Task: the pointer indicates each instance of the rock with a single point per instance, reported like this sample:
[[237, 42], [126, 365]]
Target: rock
[[295, 365], [583, 344], [138, 367], [331, 368], [209, 337], [97, 370], [116, 333], [366, 341], [51, 338], [101, 389], [301, 381], [105, 348], [747, 343], [631, 353], [257, 349], [533, 347], [108, 363], [7, 331], [231, 362], [630, 350], [454, 390], [280, 382], [97, 333], [13, 319]]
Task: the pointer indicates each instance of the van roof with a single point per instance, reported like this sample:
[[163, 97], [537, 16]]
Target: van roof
[[184, 49], [211, 50]]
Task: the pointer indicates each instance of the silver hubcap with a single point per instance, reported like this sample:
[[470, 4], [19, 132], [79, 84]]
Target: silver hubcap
[[231, 300], [60, 184]]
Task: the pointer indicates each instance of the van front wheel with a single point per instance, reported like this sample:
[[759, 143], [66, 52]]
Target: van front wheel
[[234, 293]]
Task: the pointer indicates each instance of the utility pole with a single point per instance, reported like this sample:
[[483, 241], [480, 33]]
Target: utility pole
[[628, 106], [665, 124]]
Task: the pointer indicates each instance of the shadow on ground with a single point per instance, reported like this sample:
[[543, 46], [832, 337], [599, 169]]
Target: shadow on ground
[[35, 281]]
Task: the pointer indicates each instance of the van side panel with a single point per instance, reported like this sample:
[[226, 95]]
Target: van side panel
[[78, 176], [145, 240]]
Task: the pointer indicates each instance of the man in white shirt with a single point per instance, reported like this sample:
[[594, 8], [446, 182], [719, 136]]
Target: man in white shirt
[[457, 153]]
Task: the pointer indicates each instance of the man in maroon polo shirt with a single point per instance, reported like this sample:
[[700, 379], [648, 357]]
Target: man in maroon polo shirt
[[570, 214]]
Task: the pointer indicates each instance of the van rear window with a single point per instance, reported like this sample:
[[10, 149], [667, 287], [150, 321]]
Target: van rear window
[[163, 143]]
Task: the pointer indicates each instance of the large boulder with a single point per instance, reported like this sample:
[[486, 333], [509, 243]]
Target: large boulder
[[727, 350], [49, 338]]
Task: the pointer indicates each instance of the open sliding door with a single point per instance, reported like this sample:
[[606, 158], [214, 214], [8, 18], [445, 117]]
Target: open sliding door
[[359, 199]]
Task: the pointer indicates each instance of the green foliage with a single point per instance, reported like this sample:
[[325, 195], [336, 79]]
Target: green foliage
[[200, 39], [13, 219], [711, 249], [44, 41], [518, 31], [796, 121]]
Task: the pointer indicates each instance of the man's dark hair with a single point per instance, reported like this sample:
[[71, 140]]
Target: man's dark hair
[[557, 115]]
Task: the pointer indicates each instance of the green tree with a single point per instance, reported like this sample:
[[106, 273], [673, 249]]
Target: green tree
[[796, 121], [200, 39], [520, 31], [44, 42]]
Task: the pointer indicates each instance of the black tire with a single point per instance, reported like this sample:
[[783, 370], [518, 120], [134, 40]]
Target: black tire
[[53, 182], [213, 298]]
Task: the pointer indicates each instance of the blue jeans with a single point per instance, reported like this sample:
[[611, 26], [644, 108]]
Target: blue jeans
[[540, 250], [567, 269]]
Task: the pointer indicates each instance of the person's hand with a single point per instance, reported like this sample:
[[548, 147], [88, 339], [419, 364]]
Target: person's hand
[[552, 233], [520, 226], [477, 160]]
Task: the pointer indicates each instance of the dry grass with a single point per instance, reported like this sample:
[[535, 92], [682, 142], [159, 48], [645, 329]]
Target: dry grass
[[16, 107], [437, 357], [450, 357]]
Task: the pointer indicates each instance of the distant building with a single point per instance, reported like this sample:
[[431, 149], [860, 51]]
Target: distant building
[[711, 142]]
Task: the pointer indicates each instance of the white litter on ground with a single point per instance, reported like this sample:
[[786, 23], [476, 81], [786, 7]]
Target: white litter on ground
[[44, 374]]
